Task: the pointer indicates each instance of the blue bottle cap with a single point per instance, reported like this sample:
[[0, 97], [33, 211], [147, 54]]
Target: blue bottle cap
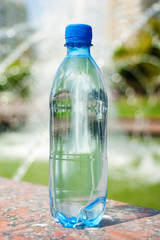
[[78, 33]]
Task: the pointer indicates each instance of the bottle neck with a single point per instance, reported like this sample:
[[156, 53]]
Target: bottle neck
[[81, 50]]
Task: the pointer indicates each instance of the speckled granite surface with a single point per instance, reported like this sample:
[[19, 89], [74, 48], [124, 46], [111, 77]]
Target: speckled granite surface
[[24, 215]]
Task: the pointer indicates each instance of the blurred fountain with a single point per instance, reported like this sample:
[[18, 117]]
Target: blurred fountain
[[47, 40]]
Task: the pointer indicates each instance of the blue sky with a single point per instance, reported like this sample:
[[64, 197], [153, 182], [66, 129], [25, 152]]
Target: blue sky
[[34, 10]]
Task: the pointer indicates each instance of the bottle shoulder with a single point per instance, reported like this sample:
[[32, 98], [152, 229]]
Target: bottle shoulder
[[78, 65], [78, 70]]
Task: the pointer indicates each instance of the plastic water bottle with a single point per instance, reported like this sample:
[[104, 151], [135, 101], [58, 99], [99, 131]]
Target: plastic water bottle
[[78, 135]]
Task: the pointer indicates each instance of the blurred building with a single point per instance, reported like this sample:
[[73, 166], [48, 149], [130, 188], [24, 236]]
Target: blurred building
[[122, 14], [12, 13]]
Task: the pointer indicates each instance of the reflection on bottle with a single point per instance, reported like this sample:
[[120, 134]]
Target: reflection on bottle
[[80, 137]]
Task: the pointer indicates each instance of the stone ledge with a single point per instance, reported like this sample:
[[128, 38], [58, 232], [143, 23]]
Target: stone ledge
[[24, 215]]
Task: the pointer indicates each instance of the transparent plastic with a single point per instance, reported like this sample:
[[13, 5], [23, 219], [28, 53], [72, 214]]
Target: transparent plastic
[[78, 140]]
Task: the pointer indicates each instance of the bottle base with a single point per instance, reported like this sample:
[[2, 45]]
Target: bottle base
[[90, 215]]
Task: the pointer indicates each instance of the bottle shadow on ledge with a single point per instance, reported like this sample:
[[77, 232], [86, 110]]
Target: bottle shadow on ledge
[[122, 213]]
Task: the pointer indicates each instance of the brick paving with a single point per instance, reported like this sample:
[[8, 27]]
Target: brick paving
[[25, 215]]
